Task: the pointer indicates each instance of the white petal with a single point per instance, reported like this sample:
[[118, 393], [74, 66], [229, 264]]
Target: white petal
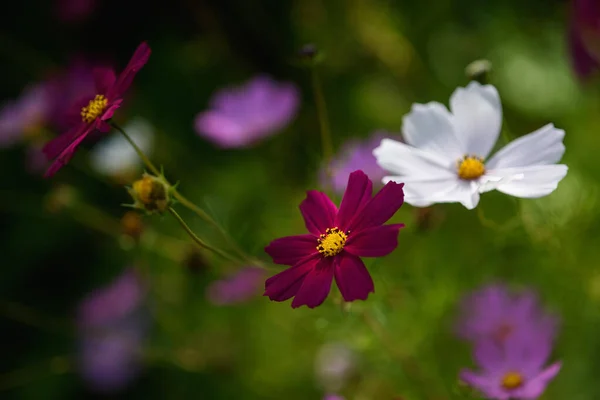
[[422, 192], [401, 159], [541, 147], [529, 182], [477, 117], [429, 127]]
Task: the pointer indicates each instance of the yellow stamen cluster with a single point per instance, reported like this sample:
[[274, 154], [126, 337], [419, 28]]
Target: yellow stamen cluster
[[512, 380], [332, 242], [470, 167], [94, 109]]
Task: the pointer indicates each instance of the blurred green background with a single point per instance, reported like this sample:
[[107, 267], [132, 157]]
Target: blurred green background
[[380, 57]]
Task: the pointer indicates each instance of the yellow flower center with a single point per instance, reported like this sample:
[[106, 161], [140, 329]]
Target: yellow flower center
[[512, 380], [470, 167], [94, 109], [332, 242]]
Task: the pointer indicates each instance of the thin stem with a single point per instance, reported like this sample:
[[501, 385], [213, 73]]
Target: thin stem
[[199, 241], [326, 141], [188, 204], [139, 151]]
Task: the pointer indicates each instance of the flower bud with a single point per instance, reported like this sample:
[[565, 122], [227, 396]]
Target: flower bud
[[151, 194], [479, 71]]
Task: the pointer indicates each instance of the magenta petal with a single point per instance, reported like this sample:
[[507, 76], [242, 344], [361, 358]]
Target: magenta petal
[[104, 78], [138, 60], [358, 192], [291, 249], [380, 208], [318, 211], [352, 278], [53, 148], [377, 241], [285, 284], [316, 285], [64, 157]]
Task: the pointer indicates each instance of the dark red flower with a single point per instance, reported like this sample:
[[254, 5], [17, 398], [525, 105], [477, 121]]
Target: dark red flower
[[336, 240], [93, 113], [584, 37]]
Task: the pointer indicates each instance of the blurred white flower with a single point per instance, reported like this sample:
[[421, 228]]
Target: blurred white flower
[[114, 155], [444, 160], [334, 365]]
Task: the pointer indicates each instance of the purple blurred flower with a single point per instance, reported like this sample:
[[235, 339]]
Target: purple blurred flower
[[26, 115], [237, 288], [333, 397], [74, 10], [355, 155], [240, 116], [112, 326], [584, 37], [513, 369], [497, 314]]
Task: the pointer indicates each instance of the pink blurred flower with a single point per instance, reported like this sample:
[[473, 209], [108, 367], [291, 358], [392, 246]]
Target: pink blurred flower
[[337, 240], [240, 116], [584, 37], [514, 369], [91, 114], [112, 325], [333, 397], [494, 312], [27, 114], [237, 288], [353, 156]]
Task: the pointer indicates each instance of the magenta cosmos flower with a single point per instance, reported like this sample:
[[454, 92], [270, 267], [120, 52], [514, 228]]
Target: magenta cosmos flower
[[238, 288], [514, 369], [493, 312], [241, 116], [584, 37], [355, 155], [91, 114], [337, 240]]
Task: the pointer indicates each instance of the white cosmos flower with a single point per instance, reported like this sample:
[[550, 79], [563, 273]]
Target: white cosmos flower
[[445, 158], [114, 155]]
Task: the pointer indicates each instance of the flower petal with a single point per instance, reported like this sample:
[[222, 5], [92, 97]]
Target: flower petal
[[104, 78], [318, 211], [286, 284], [53, 148], [380, 208], [357, 194], [529, 182], [536, 386], [291, 249], [401, 159], [429, 127], [489, 355], [423, 192], [65, 156], [316, 285], [477, 117], [542, 147], [377, 241], [352, 277], [138, 60], [486, 384]]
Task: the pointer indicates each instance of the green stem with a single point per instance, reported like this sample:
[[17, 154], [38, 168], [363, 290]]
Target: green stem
[[188, 204], [139, 151], [199, 241], [326, 141]]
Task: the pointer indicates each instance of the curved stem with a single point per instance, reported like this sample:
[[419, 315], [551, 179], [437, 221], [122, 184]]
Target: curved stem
[[187, 203], [199, 241]]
